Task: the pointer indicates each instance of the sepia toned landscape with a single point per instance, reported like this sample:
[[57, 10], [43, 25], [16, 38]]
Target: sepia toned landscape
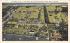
[[35, 22]]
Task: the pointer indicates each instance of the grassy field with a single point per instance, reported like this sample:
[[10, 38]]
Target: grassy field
[[30, 20]]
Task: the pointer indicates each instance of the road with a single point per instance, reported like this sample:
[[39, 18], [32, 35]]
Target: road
[[13, 37], [8, 15]]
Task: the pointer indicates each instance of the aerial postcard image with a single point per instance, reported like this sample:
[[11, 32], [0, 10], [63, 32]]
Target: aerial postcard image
[[34, 21]]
